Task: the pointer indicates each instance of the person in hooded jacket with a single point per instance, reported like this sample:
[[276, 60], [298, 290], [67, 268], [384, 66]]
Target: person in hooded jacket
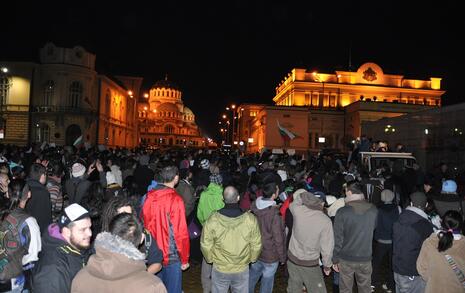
[[273, 240], [65, 250], [118, 265], [408, 234]]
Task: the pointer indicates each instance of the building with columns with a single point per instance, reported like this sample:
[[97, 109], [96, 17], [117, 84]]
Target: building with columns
[[62, 98], [326, 110], [164, 120]]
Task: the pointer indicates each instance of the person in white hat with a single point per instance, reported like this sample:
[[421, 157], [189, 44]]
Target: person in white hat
[[65, 250]]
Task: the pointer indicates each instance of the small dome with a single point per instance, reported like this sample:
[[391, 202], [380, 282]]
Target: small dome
[[187, 111], [168, 107]]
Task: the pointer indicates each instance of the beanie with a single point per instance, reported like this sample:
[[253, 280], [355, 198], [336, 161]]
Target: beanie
[[78, 169], [387, 196], [205, 164]]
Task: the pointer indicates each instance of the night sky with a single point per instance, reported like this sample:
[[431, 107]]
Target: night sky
[[221, 52]]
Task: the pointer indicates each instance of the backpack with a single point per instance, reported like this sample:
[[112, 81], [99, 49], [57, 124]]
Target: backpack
[[12, 249]]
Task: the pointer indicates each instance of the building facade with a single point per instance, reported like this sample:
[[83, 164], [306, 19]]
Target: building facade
[[327, 110], [164, 120], [63, 100]]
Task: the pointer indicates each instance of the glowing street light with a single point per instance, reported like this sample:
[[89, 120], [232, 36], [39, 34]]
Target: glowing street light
[[4, 70]]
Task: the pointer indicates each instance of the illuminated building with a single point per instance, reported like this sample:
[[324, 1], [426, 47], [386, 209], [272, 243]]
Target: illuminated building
[[62, 98], [327, 110], [164, 120]]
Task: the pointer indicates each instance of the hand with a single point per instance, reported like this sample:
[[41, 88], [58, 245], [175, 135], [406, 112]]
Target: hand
[[185, 266], [90, 169], [327, 271], [99, 166], [336, 268]]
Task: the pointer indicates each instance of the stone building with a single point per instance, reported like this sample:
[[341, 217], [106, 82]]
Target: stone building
[[327, 110], [62, 99], [164, 120]]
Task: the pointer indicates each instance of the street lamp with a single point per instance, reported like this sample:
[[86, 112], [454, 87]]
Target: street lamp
[[232, 108]]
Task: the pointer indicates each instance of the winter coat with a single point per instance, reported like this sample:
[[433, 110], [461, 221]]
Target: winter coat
[[434, 268], [58, 263], [354, 226], [165, 217], [447, 202], [211, 200], [143, 175], [117, 266], [187, 192], [271, 230], [312, 235], [408, 234], [202, 178], [39, 205], [231, 243]]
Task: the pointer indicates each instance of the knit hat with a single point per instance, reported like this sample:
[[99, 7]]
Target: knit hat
[[418, 199], [216, 178], [78, 169], [387, 196], [205, 164], [144, 160], [111, 179], [72, 213], [330, 199], [449, 186], [335, 206]]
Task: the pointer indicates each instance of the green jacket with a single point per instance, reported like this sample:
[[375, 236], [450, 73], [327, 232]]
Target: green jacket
[[231, 243], [211, 200]]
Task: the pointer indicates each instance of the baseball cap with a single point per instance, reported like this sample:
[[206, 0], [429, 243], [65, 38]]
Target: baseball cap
[[72, 213]]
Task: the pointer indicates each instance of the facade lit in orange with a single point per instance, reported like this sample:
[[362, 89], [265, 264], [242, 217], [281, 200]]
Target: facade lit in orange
[[335, 105]]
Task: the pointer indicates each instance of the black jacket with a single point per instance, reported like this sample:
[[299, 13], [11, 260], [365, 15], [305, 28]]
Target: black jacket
[[387, 215], [408, 235], [143, 176], [58, 263], [39, 205]]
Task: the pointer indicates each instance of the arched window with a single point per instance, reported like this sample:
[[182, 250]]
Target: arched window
[[108, 103], [5, 84], [169, 129], [75, 94], [49, 90]]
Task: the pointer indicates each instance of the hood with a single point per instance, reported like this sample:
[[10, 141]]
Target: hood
[[359, 206], [262, 203], [229, 222], [214, 188], [409, 217], [52, 238], [115, 258]]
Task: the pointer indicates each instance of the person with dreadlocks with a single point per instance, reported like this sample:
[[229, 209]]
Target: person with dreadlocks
[[118, 205], [20, 243]]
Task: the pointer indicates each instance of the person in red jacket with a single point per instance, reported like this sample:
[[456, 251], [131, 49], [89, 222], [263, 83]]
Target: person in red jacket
[[164, 216]]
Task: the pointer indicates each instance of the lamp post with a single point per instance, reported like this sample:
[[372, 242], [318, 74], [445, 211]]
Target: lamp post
[[232, 108]]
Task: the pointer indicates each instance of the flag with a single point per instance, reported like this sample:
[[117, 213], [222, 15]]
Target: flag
[[285, 132], [78, 141]]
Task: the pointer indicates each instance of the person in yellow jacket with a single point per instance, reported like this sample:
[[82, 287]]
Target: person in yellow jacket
[[231, 240]]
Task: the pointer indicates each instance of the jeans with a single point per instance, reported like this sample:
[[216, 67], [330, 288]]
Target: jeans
[[409, 284], [206, 276], [264, 270], [171, 276], [361, 271], [238, 282]]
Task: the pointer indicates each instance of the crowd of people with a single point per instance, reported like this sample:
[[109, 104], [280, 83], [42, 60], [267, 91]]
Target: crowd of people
[[120, 220]]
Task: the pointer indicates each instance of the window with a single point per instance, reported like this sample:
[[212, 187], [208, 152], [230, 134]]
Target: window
[[75, 94], [49, 89], [108, 103], [315, 100], [307, 99], [253, 113], [5, 84], [42, 133], [332, 101], [169, 129]]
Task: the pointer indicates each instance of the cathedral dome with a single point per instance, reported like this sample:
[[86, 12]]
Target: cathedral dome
[[168, 107], [165, 83]]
